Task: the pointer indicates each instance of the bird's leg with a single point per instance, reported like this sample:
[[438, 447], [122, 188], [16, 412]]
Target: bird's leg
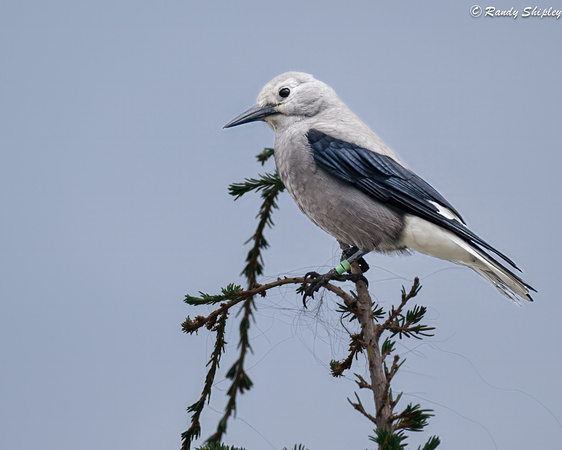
[[349, 251], [337, 273]]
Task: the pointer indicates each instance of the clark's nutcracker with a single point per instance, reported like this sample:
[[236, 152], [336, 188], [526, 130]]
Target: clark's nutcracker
[[350, 184]]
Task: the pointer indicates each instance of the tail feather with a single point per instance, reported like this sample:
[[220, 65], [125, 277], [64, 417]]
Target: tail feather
[[433, 240], [512, 289], [502, 278]]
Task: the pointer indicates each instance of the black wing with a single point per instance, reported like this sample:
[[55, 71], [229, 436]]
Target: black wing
[[382, 178]]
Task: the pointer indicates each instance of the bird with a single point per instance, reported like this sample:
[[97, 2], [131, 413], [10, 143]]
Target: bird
[[349, 183]]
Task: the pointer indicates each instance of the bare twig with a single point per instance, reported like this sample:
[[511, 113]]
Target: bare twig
[[359, 407]]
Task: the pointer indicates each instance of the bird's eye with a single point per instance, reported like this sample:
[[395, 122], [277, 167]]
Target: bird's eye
[[284, 92]]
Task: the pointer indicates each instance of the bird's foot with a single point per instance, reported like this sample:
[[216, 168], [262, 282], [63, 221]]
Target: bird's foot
[[315, 281]]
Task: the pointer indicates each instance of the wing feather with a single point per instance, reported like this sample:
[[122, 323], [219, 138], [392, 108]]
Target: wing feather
[[384, 179]]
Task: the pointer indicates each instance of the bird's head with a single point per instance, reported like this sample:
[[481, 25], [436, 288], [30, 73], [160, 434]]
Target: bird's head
[[288, 98]]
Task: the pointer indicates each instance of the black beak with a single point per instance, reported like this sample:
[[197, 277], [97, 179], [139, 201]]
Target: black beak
[[253, 114]]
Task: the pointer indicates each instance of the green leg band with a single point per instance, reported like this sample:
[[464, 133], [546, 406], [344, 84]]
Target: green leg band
[[342, 267]]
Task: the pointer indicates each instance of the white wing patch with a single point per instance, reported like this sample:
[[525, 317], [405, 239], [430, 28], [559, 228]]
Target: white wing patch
[[445, 212]]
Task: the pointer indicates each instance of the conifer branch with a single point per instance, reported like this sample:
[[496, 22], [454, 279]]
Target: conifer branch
[[390, 426], [270, 186], [194, 431], [265, 155], [192, 325], [356, 346]]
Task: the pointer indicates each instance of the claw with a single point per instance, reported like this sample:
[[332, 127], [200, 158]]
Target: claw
[[355, 277], [311, 275], [315, 283]]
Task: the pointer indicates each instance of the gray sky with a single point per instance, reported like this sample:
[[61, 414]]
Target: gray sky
[[114, 173]]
